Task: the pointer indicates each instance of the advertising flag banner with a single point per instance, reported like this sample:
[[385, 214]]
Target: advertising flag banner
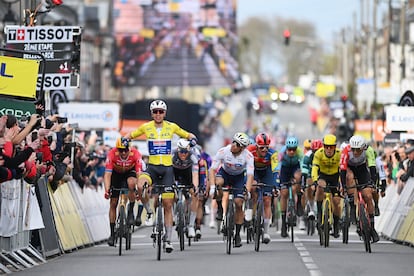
[[18, 77]]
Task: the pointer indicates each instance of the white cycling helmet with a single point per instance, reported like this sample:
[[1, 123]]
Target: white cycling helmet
[[242, 138], [357, 142], [183, 144], [158, 104]]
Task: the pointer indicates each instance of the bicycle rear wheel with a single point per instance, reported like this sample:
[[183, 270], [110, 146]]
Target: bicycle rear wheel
[[291, 218], [326, 225], [229, 227], [159, 231], [365, 228], [345, 222], [121, 228], [258, 227], [180, 226]]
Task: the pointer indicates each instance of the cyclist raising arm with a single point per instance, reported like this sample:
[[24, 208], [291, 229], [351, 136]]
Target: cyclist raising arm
[[123, 166], [265, 164], [234, 161], [325, 171], [159, 134]]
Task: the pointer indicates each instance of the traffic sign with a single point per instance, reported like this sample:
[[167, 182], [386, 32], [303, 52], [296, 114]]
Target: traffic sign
[[60, 46]]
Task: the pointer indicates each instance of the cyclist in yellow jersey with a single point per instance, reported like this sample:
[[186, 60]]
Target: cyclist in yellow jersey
[[159, 134], [325, 171]]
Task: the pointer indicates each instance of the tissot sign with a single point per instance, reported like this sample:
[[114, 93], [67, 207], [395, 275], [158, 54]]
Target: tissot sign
[[57, 44]]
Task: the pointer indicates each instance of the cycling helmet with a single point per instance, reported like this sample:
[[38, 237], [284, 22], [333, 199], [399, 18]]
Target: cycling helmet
[[357, 142], [291, 142], [183, 144], [122, 143], [241, 138], [343, 145], [307, 143], [329, 140], [262, 139], [158, 104], [316, 144]]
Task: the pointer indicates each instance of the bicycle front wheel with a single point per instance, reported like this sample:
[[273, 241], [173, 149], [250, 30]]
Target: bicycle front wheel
[[229, 227], [345, 222], [326, 225], [258, 227], [159, 231], [121, 230], [180, 227], [365, 228]]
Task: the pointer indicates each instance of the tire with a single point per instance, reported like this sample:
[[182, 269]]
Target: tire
[[159, 231], [180, 226], [258, 227], [365, 228], [121, 229], [128, 237], [291, 218], [345, 222], [229, 227], [311, 227], [326, 224]]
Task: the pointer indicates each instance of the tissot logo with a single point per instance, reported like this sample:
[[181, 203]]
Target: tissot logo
[[16, 34]]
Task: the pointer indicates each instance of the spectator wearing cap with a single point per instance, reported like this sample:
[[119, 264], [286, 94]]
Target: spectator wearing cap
[[410, 165]]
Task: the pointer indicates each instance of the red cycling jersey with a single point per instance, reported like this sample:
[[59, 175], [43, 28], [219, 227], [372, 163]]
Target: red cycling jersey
[[115, 163]]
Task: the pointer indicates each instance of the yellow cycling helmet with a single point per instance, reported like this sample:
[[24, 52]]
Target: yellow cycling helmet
[[122, 143], [307, 143], [329, 140]]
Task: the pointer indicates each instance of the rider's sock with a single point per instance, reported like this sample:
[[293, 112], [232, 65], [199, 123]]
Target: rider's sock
[[131, 205], [193, 216], [112, 226], [266, 223], [140, 208], [371, 218], [283, 215], [168, 232], [238, 227], [147, 207], [319, 206]]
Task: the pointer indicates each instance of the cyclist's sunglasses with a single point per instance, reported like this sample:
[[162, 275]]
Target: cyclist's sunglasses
[[356, 149], [158, 111], [329, 146], [291, 149], [123, 150], [263, 147], [183, 151], [237, 144]]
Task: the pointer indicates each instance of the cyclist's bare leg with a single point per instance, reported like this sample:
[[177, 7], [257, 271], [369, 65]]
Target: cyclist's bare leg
[[310, 195], [320, 194], [219, 196], [168, 215], [352, 193], [238, 215], [267, 216], [367, 195], [284, 195]]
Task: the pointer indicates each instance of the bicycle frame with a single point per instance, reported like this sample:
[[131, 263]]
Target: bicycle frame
[[364, 221], [258, 229], [327, 217], [182, 214], [291, 211], [122, 229]]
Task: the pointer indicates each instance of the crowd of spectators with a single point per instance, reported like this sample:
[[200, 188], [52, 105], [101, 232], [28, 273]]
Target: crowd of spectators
[[48, 146], [399, 163]]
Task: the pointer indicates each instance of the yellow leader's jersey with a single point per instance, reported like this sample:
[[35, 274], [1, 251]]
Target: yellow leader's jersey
[[324, 164], [159, 140]]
